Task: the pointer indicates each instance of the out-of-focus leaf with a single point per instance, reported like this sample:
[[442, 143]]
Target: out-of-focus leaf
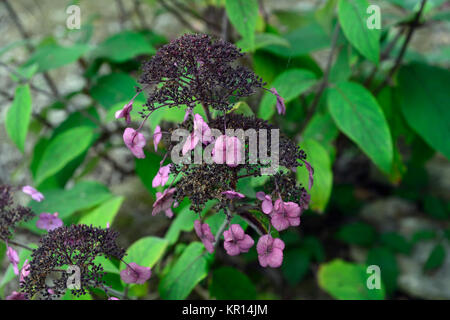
[[113, 88], [147, 168], [353, 19], [347, 281], [290, 84], [385, 260], [395, 242], [295, 265], [231, 284], [123, 46], [263, 40], [19, 116], [53, 56], [187, 272], [243, 15], [103, 214], [358, 233], [323, 174], [60, 151], [83, 195], [424, 100], [321, 128], [341, 69], [242, 108], [358, 115], [436, 258], [302, 41]]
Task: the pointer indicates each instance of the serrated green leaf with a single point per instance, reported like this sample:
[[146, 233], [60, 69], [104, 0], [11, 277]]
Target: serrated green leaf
[[243, 15], [290, 84], [61, 150], [353, 19], [187, 272], [358, 115]]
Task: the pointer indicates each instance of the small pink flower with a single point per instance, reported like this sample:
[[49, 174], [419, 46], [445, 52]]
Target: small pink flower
[[157, 135], [16, 296], [203, 231], [201, 133], [161, 177], [187, 114], [227, 150], [135, 273], [13, 257], [164, 202], [48, 221], [281, 107], [285, 214], [270, 251], [25, 271], [113, 298], [231, 194], [135, 141], [35, 195], [125, 112], [236, 241], [266, 204]]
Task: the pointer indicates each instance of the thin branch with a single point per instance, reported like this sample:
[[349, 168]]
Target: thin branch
[[122, 13], [178, 16], [323, 84], [137, 10], [412, 26], [25, 35]]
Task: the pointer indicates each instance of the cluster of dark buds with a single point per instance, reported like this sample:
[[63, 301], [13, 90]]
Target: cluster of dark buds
[[199, 70], [66, 257]]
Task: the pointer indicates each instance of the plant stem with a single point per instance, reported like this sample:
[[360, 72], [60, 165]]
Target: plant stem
[[412, 26], [323, 84]]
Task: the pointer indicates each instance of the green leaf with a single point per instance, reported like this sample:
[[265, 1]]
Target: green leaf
[[358, 115], [425, 101], [19, 116], [295, 265], [263, 40], [184, 221], [53, 56], [231, 284], [347, 281], [114, 88], [357, 233], [61, 150], [83, 195], [145, 252], [385, 260], [123, 46], [188, 270], [242, 108], [353, 19], [323, 174], [396, 242], [302, 41], [243, 15], [321, 128], [290, 84], [103, 214], [436, 258]]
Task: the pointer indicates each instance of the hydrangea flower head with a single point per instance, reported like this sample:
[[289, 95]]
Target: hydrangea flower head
[[285, 214]]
